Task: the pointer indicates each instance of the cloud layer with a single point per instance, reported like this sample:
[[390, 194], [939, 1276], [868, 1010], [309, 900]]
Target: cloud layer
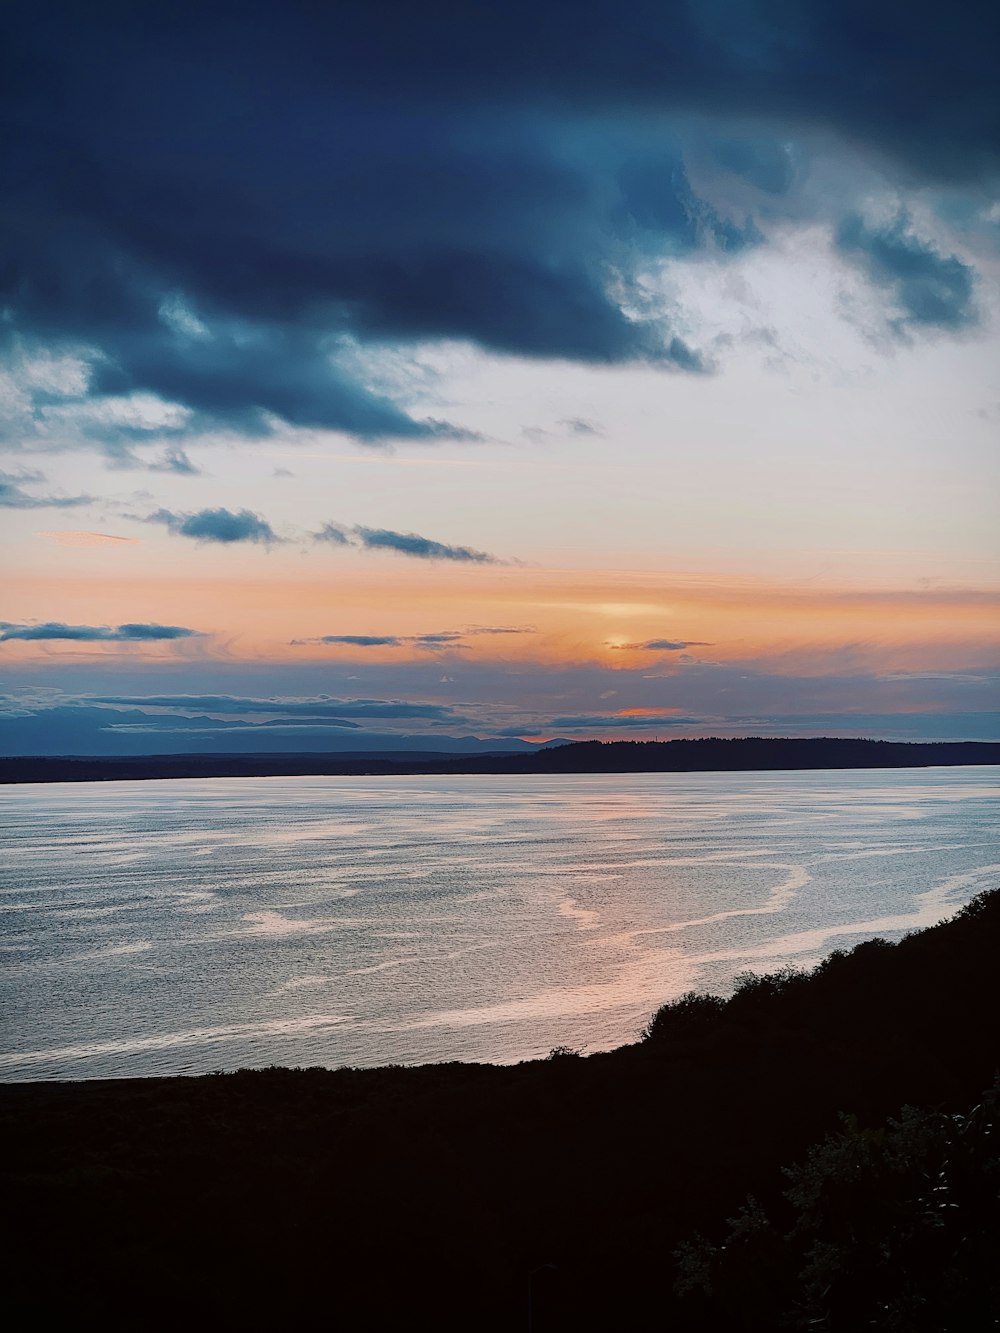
[[493, 709]]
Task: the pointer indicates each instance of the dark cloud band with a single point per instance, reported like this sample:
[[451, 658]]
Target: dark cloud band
[[323, 708], [421, 548], [402, 543], [131, 633], [443, 639]]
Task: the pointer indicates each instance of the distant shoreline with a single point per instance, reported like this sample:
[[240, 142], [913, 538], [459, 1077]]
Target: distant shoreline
[[751, 754]]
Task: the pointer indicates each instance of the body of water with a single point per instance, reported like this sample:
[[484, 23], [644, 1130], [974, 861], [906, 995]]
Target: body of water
[[187, 926]]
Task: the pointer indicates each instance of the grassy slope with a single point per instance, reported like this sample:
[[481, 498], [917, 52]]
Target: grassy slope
[[367, 1198]]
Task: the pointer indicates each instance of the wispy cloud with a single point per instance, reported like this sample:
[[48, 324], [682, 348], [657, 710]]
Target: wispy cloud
[[453, 638], [175, 460], [567, 426], [500, 629], [581, 426], [331, 533], [625, 721], [71, 538], [358, 640], [14, 496], [660, 645], [444, 639], [129, 633], [319, 708]]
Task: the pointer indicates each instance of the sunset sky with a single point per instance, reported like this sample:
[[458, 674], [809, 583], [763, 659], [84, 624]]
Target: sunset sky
[[393, 375]]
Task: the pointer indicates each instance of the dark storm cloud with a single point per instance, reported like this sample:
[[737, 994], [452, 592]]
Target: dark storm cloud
[[769, 165], [134, 633], [242, 375], [217, 525], [931, 289], [420, 548], [14, 496], [662, 211], [224, 209]]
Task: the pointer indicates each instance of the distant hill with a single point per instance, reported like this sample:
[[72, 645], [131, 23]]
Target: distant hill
[[682, 756]]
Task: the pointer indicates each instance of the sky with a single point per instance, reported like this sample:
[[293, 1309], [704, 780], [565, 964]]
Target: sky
[[427, 376]]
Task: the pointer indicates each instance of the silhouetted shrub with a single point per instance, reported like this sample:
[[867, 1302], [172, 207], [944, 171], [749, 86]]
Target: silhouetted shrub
[[892, 1227], [691, 1016], [980, 906], [753, 990]]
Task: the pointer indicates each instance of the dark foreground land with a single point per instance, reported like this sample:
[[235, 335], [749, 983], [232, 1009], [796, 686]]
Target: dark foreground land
[[561, 1194], [694, 756]]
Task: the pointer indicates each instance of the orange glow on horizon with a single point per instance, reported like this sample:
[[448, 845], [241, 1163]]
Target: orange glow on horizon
[[549, 617], [666, 713]]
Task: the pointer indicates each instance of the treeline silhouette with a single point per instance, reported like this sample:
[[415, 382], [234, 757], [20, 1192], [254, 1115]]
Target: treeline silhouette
[[743, 754], [710, 754], [578, 1192]]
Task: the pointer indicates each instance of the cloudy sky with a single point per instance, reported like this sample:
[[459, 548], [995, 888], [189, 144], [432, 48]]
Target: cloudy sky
[[392, 374]]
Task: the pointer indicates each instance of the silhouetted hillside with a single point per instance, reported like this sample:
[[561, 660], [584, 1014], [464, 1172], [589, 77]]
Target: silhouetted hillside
[[682, 756], [738, 755], [441, 1196]]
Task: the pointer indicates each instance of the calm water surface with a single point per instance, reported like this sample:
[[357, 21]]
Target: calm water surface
[[187, 926]]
